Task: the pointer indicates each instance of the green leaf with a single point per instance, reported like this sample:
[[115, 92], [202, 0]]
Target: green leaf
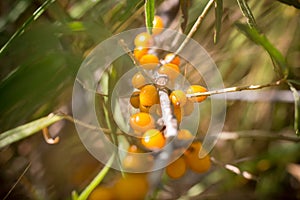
[[184, 6], [255, 36], [28, 129], [149, 14], [247, 13], [218, 22], [296, 107]]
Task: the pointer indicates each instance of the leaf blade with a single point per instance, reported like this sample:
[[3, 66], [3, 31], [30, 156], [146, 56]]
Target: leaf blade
[[149, 14], [218, 22]]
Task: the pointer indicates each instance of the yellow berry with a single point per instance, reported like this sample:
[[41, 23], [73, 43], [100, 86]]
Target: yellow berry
[[138, 80], [184, 134], [144, 109], [176, 59], [153, 139], [143, 39], [140, 122], [194, 89], [176, 169], [149, 61], [135, 99], [149, 95], [102, 193], [138, 52], [178, 112], [178, 98], [169, 69], [193, 161], [158, 25]]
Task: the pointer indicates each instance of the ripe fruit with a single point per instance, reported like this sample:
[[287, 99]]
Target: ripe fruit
[[177, 168], [194, 89], [144, 109], [133, 186], [184, 134], [176, 59], [153, 139], [140, 122], [178, 112], [149, 95], [178, 98], [138, 80], [135, 161], [149, 61], [193, 161], [169, 69], [158, 25], [102, 193], [138, 52], [135, 99], [143, 39]]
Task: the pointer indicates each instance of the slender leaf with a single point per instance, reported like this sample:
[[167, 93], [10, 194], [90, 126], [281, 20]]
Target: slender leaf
[[263, 41], [28, 129], [247, 13], [149, 14], [218, 22], [184, 7], [297, 108]]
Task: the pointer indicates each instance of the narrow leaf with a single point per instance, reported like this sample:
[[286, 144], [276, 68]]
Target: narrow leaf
[[255, 36], [247, 13], [297, 108], [218, 22], [149, 14], [28, 129], [184, 7]]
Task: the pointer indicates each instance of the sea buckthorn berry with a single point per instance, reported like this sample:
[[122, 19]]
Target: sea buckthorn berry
[[140, 122], [144, 109], [177, 168], [102, 193], [158, 25], [176, 59], [169, 69], [138, 52], [148, 95], [153, 139], [191, 156], [133, 186], [179, 113], [138, 80], [143, 39], [184, 134], [149, 61], [188, 108], [194, 89], [134, 160], [178, 98], [135, 99]]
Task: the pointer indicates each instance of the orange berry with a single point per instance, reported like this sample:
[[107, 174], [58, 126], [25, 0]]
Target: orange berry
[[176, 59], [133, 186], [158, 25], [178, 98], [169, 69], [135, 99], [193, 161], [149, 61], [102, 193], [140, 122], [143, 39], [138, 80], [178, 112], [177, 168], [138, 52], [135, 161], [153, 139], [145, 109], [149, 95], [194, 89], [184, 135], [188, 108]]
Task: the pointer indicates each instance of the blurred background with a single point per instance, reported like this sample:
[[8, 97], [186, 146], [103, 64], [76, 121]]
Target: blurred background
[[38, 70]]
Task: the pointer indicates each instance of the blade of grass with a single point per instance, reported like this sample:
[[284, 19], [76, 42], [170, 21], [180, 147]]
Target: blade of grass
[[28, 129], [149, 14], [297, 108], [32, 18], [263, 41], [218, 22], [247, 13]]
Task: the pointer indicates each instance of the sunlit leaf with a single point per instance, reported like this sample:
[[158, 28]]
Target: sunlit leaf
[[149, 14], [247, 13]]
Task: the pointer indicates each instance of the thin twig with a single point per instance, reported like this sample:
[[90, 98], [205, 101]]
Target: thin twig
[[235, 89], [18, 180]]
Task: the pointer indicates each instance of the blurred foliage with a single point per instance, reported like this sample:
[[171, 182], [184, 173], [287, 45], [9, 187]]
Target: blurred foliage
[[39, 66]]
